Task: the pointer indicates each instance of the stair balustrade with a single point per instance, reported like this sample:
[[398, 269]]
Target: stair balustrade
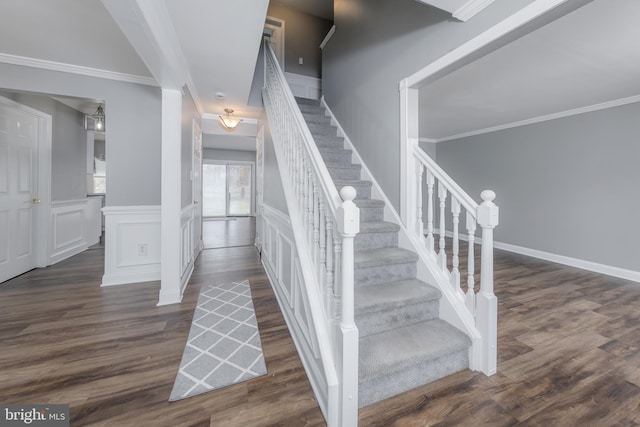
[[324, 224], [441, 190]]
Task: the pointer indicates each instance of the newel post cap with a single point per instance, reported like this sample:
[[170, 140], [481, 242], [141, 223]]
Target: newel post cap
[[348, 215], [488, 212]]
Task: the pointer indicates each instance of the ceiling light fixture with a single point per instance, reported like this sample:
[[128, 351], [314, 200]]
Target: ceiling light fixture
[[228, 121], [95, 122]]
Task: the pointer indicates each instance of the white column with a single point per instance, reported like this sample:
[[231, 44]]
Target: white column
[[170, 274], [408, 144]]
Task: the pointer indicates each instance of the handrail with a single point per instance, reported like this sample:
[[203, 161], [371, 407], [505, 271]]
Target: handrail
[[324, 224]]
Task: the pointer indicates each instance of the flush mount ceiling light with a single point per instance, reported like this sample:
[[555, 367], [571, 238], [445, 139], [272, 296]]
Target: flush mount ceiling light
[[228, 121], [95, 122]]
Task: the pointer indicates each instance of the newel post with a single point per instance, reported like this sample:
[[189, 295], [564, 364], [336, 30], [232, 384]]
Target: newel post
[[409, 138], [486, 302], [348, 223]]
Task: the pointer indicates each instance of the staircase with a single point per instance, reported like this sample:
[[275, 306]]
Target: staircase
[[403, 344]]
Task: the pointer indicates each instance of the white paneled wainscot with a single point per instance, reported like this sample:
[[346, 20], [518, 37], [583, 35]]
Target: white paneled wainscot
[[132, 247], [75, 225]]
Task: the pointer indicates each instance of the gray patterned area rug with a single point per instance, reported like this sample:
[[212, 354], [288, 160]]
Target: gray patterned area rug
[[224, 346]]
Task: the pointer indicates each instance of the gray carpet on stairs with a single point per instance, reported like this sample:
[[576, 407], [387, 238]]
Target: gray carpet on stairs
[[403, 343]]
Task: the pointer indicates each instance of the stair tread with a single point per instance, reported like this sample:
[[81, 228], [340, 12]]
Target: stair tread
[[369, 203], [390, 295], [333, 150], [343, 182], [383, 256], [412, 344], [378, 227], [343, 165], [307, 101]]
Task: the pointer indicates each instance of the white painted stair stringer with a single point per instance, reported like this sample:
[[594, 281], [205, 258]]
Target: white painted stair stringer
[[452, 308]]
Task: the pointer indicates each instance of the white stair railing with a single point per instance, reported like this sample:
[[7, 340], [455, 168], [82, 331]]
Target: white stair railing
[[482, 305], [324, 226]]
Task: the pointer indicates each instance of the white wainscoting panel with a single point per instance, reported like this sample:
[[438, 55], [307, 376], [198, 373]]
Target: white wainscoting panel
[[304, 86], [280, 260], [132, 244], [94, 219], [68, 228]]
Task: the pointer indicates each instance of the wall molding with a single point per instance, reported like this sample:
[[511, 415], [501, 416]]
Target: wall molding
[[132, 248], [68, 229], [76, 69], [304, 86], [539, 119], [326, 39], [470, 8]]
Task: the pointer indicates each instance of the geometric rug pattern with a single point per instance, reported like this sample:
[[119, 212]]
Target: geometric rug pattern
[[224, 345]]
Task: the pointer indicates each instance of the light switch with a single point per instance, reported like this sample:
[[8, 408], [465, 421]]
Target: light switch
[[300, 60]]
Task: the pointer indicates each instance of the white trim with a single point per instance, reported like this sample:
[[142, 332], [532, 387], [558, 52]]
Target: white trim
[[554, 116], [470, 8], [595, 267], [609, 270], [326, 39], [76, 69], [126, 228], [429, 140], [214, 117]]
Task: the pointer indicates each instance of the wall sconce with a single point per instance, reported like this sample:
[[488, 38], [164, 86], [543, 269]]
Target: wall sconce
[[228, 121], [95, 122]]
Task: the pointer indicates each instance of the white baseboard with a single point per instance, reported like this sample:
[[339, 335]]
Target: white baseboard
[[304, 86], [608, 270], [132, 244]]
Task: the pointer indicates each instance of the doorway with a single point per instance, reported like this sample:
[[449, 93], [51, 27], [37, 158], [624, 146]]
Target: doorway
[[227, 189]]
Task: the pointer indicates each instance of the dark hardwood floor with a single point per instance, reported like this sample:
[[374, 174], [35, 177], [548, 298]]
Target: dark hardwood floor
[[569, 352]]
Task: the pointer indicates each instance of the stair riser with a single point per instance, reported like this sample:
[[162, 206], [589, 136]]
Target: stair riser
[[346, 174], [340, 157], [371, 214], [384, 273], [386, 320], [327, 142], [378, 388], [311, 109], [364, 241], [325, 130], [317, 119]]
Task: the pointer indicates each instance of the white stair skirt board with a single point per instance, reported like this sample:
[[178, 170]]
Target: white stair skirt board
[[75, 225], [132, 244], [304, 86]]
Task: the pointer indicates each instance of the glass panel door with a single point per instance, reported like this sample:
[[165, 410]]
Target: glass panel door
[[239, 179], [214, 189], [226, 189]]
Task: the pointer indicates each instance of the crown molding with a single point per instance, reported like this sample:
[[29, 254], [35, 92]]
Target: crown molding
[[470, 8], [75, 69], [559, 115]]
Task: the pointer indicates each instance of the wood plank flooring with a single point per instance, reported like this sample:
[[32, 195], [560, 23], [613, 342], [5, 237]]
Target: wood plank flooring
[[569, 352]]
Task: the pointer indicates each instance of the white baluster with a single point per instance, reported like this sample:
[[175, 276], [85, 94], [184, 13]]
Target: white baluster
[[419, 222], [322, 247], [309, 225], [455, 260], [487, 304], [442, 254], [471, 265], [330, 267], [429, 241], [316, 228]]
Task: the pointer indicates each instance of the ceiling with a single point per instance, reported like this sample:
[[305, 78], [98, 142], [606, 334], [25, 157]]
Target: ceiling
[[587, 59], [320, 8]]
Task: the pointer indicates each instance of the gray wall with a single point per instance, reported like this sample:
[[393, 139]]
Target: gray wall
[[566, 186], [303, 35], [189, 113], [377, 43], [133, 127], [68, 145], [273, 191]]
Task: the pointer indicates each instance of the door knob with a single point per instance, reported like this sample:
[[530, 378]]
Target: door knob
[[35, 201]]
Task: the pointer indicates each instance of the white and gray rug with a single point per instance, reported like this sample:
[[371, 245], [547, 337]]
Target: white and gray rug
[[224, 346]]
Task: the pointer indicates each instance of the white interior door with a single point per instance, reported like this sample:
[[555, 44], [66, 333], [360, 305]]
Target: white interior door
[[274, 28], [19, 136]]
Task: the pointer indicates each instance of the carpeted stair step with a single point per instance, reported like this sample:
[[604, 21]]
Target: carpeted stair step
[[320, 129], [378, 234], [312, 109], [307, 101], [363, 188], [329, 141], [315, 118], [393, 305], [370, 210], [341, 171], [422, 352], [375, 266], [335, 155]]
